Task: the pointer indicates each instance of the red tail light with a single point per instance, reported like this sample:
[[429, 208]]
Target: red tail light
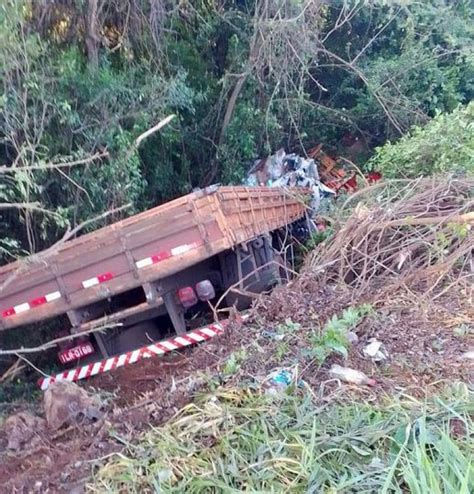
[[187, 297], [205, 290]]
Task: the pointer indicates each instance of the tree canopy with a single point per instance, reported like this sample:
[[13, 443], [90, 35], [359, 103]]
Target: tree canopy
[[81, 80]]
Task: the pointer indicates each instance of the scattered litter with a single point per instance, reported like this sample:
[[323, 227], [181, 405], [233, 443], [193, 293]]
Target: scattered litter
[[272, 335], [352, 337], [281, 378], [66, 403], [375, 350], [22, 429], [278, 381], [351, 375], [467, 355], [165, 475], [290, 170]]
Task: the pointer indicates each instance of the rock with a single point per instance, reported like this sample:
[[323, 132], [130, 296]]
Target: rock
[[65, 403], [22, 429]]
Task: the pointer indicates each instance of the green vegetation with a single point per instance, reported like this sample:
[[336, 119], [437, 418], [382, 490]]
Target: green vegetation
[[387, 85], [233, 362], [82, 80], [241, 441], [444, 145], [333, 337]]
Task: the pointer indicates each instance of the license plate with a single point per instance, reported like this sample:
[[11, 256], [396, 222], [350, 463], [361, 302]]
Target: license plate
[[75, 353]]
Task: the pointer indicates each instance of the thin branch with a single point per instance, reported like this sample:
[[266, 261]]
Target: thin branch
[[52, 343], [54, 166], [154, 129], [379, 32], [30, 206], [31, 365]]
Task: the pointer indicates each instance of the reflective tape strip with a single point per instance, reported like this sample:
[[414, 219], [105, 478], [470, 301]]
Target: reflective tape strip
[[169, 345], [134, 356], [182, 249], [82, 373], [102, 278], [195, 337], [36, 302], [22, 308], [109, 364], [182, 341], [50, 297], [143, 263], [155, 349], [162, 256]]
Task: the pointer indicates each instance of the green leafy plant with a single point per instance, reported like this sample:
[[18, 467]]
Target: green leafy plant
[[333, 337], [444, 145], [234, 362], [281, 350], [288, 327]]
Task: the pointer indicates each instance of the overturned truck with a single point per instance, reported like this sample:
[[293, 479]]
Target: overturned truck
[[146, 277]]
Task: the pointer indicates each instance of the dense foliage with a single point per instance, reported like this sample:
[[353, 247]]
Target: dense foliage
[[82, 80], [444, 145]]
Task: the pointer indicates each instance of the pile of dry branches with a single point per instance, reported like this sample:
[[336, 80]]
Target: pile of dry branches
[[407, 234]]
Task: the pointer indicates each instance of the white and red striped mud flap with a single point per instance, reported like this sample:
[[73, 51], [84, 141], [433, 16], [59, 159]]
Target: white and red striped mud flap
[[153, 350]]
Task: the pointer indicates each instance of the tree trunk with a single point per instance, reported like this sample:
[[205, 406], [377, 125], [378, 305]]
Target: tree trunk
[[254, 47], [92, 38]]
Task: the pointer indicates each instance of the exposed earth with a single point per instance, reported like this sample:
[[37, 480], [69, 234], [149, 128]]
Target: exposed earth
[[426, 346]]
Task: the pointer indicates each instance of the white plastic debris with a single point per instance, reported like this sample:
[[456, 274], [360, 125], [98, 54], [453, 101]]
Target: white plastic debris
[[375, 350], [352, 337], [467, 355], [289, 170], [351, 375]]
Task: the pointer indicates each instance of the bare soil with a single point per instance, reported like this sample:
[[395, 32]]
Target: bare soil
[[425, 343]]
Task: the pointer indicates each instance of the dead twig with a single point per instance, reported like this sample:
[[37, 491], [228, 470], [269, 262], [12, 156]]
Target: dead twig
[[12, 371], [406, 233], [54, 166], [52, 343]]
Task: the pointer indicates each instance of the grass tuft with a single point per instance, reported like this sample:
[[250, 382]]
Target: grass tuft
[[245, 441]]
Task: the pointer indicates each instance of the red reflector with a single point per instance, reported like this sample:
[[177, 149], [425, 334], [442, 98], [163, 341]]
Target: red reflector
[[8, 312], [160, 257], [351, 183], [205, 290], [104, 277], [187, 297], [75, 353], [38, 301], [374, 176]]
